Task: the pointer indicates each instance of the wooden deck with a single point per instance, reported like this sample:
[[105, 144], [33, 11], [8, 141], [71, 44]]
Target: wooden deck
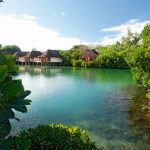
[[39, 63]]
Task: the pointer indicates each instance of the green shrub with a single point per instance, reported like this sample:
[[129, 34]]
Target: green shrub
[[53, 137], [148, 95]]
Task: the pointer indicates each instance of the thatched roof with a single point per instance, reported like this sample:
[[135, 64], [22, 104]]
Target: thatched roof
[[50, 53], [87, 53], [20, 54], [33, 53]]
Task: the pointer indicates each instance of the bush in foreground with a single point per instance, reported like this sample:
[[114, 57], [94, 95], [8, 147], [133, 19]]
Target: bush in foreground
[[53, 137]]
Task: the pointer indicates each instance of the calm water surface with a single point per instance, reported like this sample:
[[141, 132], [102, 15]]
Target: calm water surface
[[97, 100]]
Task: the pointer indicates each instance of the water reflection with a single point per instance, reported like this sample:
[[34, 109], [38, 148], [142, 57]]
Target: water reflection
[[98, 75], [139, 116], [124, 123], [32, 70]]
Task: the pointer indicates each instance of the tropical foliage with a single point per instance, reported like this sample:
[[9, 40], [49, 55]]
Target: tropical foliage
[[110, 57], [139, 62], [54, 137], [132, 51], [12, 95], [11, 91], [71, 57], [138, 58]]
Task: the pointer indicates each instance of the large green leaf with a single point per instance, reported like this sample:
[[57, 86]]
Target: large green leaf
[[19, 102], [4, 83], [3, 73], [13, 89], [5, 127], [24, 94], [8, 113], [20, 108]]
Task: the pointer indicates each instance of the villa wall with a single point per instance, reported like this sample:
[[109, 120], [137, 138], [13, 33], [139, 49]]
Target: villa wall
[[56, 59], [36, 59], [21, 59]]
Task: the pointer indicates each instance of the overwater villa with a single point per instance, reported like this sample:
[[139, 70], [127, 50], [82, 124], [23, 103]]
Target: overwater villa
[[20, 57], [89, 55], [50, 57], [32, 57]]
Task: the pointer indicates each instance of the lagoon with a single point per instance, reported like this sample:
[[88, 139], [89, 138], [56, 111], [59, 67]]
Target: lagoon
[[96, 100]]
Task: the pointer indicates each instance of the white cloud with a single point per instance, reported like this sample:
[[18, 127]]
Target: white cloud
[[118, 31], [25, 32], [28, 17], [108, 40]]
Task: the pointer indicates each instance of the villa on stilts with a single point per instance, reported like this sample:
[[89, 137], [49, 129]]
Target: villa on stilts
[[50, 57]]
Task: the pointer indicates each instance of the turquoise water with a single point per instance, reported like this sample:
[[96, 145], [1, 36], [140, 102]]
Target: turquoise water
[[97, 100]]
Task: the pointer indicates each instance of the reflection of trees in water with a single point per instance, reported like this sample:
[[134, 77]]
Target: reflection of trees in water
[[123, 118], [35, 70], [139, 115], [107, 118], [106, 76]]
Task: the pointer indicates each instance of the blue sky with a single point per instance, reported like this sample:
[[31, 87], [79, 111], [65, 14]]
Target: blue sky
[[72, 21]]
